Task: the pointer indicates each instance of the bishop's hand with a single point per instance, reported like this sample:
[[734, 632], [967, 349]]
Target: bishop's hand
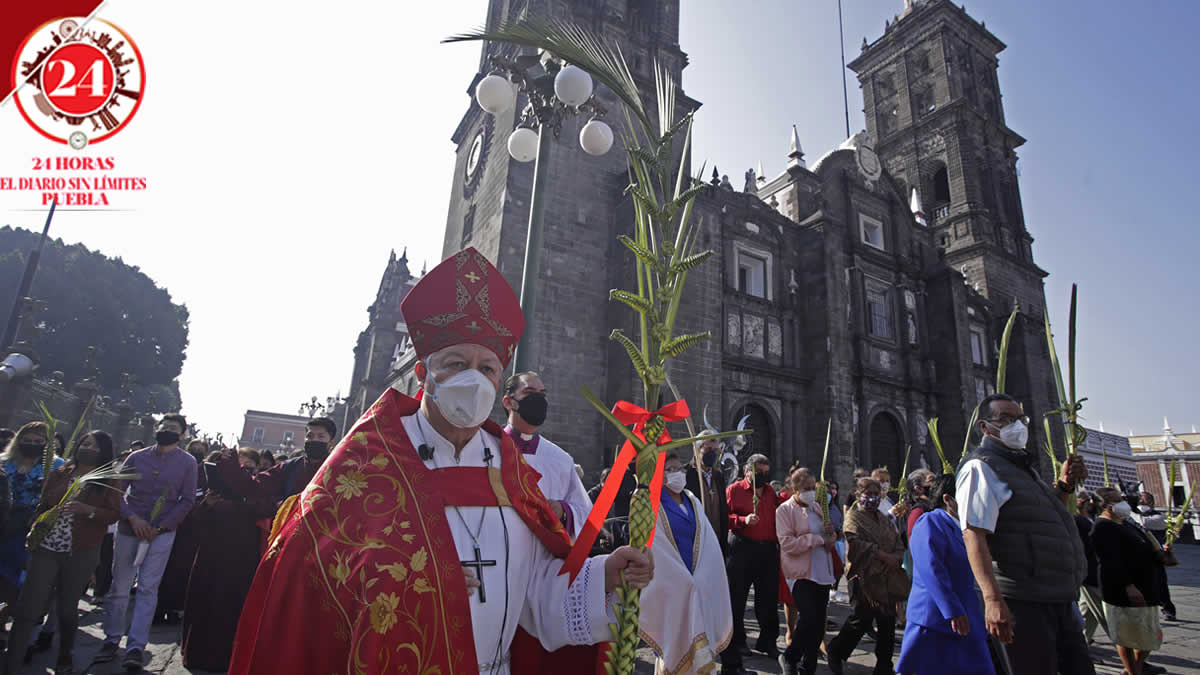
[[471, 579], [638, 568]]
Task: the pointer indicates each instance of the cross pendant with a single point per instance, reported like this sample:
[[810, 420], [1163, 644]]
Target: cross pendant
[[478, 564]]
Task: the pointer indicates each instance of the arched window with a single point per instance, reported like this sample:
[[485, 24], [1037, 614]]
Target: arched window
[[941, 186], [887, 445], [762, 440]]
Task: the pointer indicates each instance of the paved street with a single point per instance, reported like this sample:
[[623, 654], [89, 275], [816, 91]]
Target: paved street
[[1180, 653]]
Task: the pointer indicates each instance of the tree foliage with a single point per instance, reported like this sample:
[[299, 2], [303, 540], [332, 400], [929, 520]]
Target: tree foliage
[[92, 299]]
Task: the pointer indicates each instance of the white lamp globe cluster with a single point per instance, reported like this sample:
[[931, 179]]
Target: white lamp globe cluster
[[572, 85]]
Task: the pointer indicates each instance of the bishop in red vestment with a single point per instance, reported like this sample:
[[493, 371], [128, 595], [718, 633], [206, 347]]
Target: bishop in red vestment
[[423, 544]]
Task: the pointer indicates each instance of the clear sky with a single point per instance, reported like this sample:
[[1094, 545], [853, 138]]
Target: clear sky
[[287, 152]]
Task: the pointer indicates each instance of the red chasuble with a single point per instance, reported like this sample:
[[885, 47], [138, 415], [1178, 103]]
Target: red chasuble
[[362, 575]]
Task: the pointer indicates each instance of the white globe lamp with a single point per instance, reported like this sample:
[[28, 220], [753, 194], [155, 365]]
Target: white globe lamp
[[494, 94], [596, 138], [523, 144], [573, 86]]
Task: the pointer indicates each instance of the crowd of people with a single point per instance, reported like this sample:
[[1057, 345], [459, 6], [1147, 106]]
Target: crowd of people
[[986, 569], [977, 566], [175, 529]]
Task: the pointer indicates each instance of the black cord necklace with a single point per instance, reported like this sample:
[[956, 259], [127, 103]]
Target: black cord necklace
[[427, 454]]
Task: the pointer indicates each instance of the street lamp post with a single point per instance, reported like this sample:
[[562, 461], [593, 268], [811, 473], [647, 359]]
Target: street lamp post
[[31, 264], [312, 408], [554, 93]]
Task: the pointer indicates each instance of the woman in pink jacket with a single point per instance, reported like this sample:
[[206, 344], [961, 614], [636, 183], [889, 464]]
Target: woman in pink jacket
[[805, 545]]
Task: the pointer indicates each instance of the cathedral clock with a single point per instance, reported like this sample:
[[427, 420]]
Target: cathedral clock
[[868, 162], [477, 153]]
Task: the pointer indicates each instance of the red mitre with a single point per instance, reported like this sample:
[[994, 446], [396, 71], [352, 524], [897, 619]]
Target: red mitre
[[463, 300]]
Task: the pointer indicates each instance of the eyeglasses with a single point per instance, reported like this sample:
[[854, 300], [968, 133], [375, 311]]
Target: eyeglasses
[[1004, 420]]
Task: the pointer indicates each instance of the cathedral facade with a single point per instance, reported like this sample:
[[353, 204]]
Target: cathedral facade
[[867, 291]]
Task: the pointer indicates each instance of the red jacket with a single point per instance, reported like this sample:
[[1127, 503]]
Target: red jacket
[[741, 504]]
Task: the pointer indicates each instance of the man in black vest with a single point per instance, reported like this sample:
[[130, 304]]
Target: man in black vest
[[1023, 545]]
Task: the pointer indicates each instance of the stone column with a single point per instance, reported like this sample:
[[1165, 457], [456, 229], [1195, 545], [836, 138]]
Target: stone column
[[121, 434]]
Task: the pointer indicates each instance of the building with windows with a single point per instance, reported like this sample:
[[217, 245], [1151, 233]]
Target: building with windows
[[835, 294], [276, 432], [1101, 447], [1155, 455]]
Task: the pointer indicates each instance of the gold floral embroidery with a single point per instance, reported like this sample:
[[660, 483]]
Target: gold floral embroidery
[[339, 569], [383, 612], [404, 581], [443, 320], [461, 295], [351, 484], [396, 569], [498, 327]]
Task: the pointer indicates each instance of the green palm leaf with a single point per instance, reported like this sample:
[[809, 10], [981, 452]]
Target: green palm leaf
[[635, 301], [947, 467], [635, 355], [1002, 361], [677, 345]]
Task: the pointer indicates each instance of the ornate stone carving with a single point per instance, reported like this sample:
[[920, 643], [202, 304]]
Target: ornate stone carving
[[932, 144], [752, 335], [734, 329]]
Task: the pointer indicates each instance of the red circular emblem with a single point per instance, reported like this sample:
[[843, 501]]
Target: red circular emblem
[[82, 83]]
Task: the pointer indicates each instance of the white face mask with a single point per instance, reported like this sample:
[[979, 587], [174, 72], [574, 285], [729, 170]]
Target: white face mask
[[884, 486], [465, 399], [1015, 435], [808, 497], [1122, 509], [1143, 508], [675, 481]]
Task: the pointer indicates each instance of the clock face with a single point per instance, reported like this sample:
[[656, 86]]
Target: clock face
[[868, 162], [477, 153], [474, 155]]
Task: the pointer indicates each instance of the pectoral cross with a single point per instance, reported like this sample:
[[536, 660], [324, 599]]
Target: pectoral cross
[[477, 565]]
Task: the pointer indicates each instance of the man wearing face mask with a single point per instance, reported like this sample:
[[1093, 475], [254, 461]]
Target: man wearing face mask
[[753, 561], [527, 406], [1023, 545], [286, 478], [167, 478], [708, 484], [424, 538]]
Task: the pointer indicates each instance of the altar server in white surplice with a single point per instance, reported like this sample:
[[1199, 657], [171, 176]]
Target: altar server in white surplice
[[527, 406], [686, 616]]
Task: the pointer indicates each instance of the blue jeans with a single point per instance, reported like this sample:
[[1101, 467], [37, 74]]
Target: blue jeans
[[149, 574]]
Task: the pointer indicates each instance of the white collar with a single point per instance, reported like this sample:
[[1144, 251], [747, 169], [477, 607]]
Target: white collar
[[443, 450]]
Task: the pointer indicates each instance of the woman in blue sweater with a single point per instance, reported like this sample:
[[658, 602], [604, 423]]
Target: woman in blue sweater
[[945, 631]]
